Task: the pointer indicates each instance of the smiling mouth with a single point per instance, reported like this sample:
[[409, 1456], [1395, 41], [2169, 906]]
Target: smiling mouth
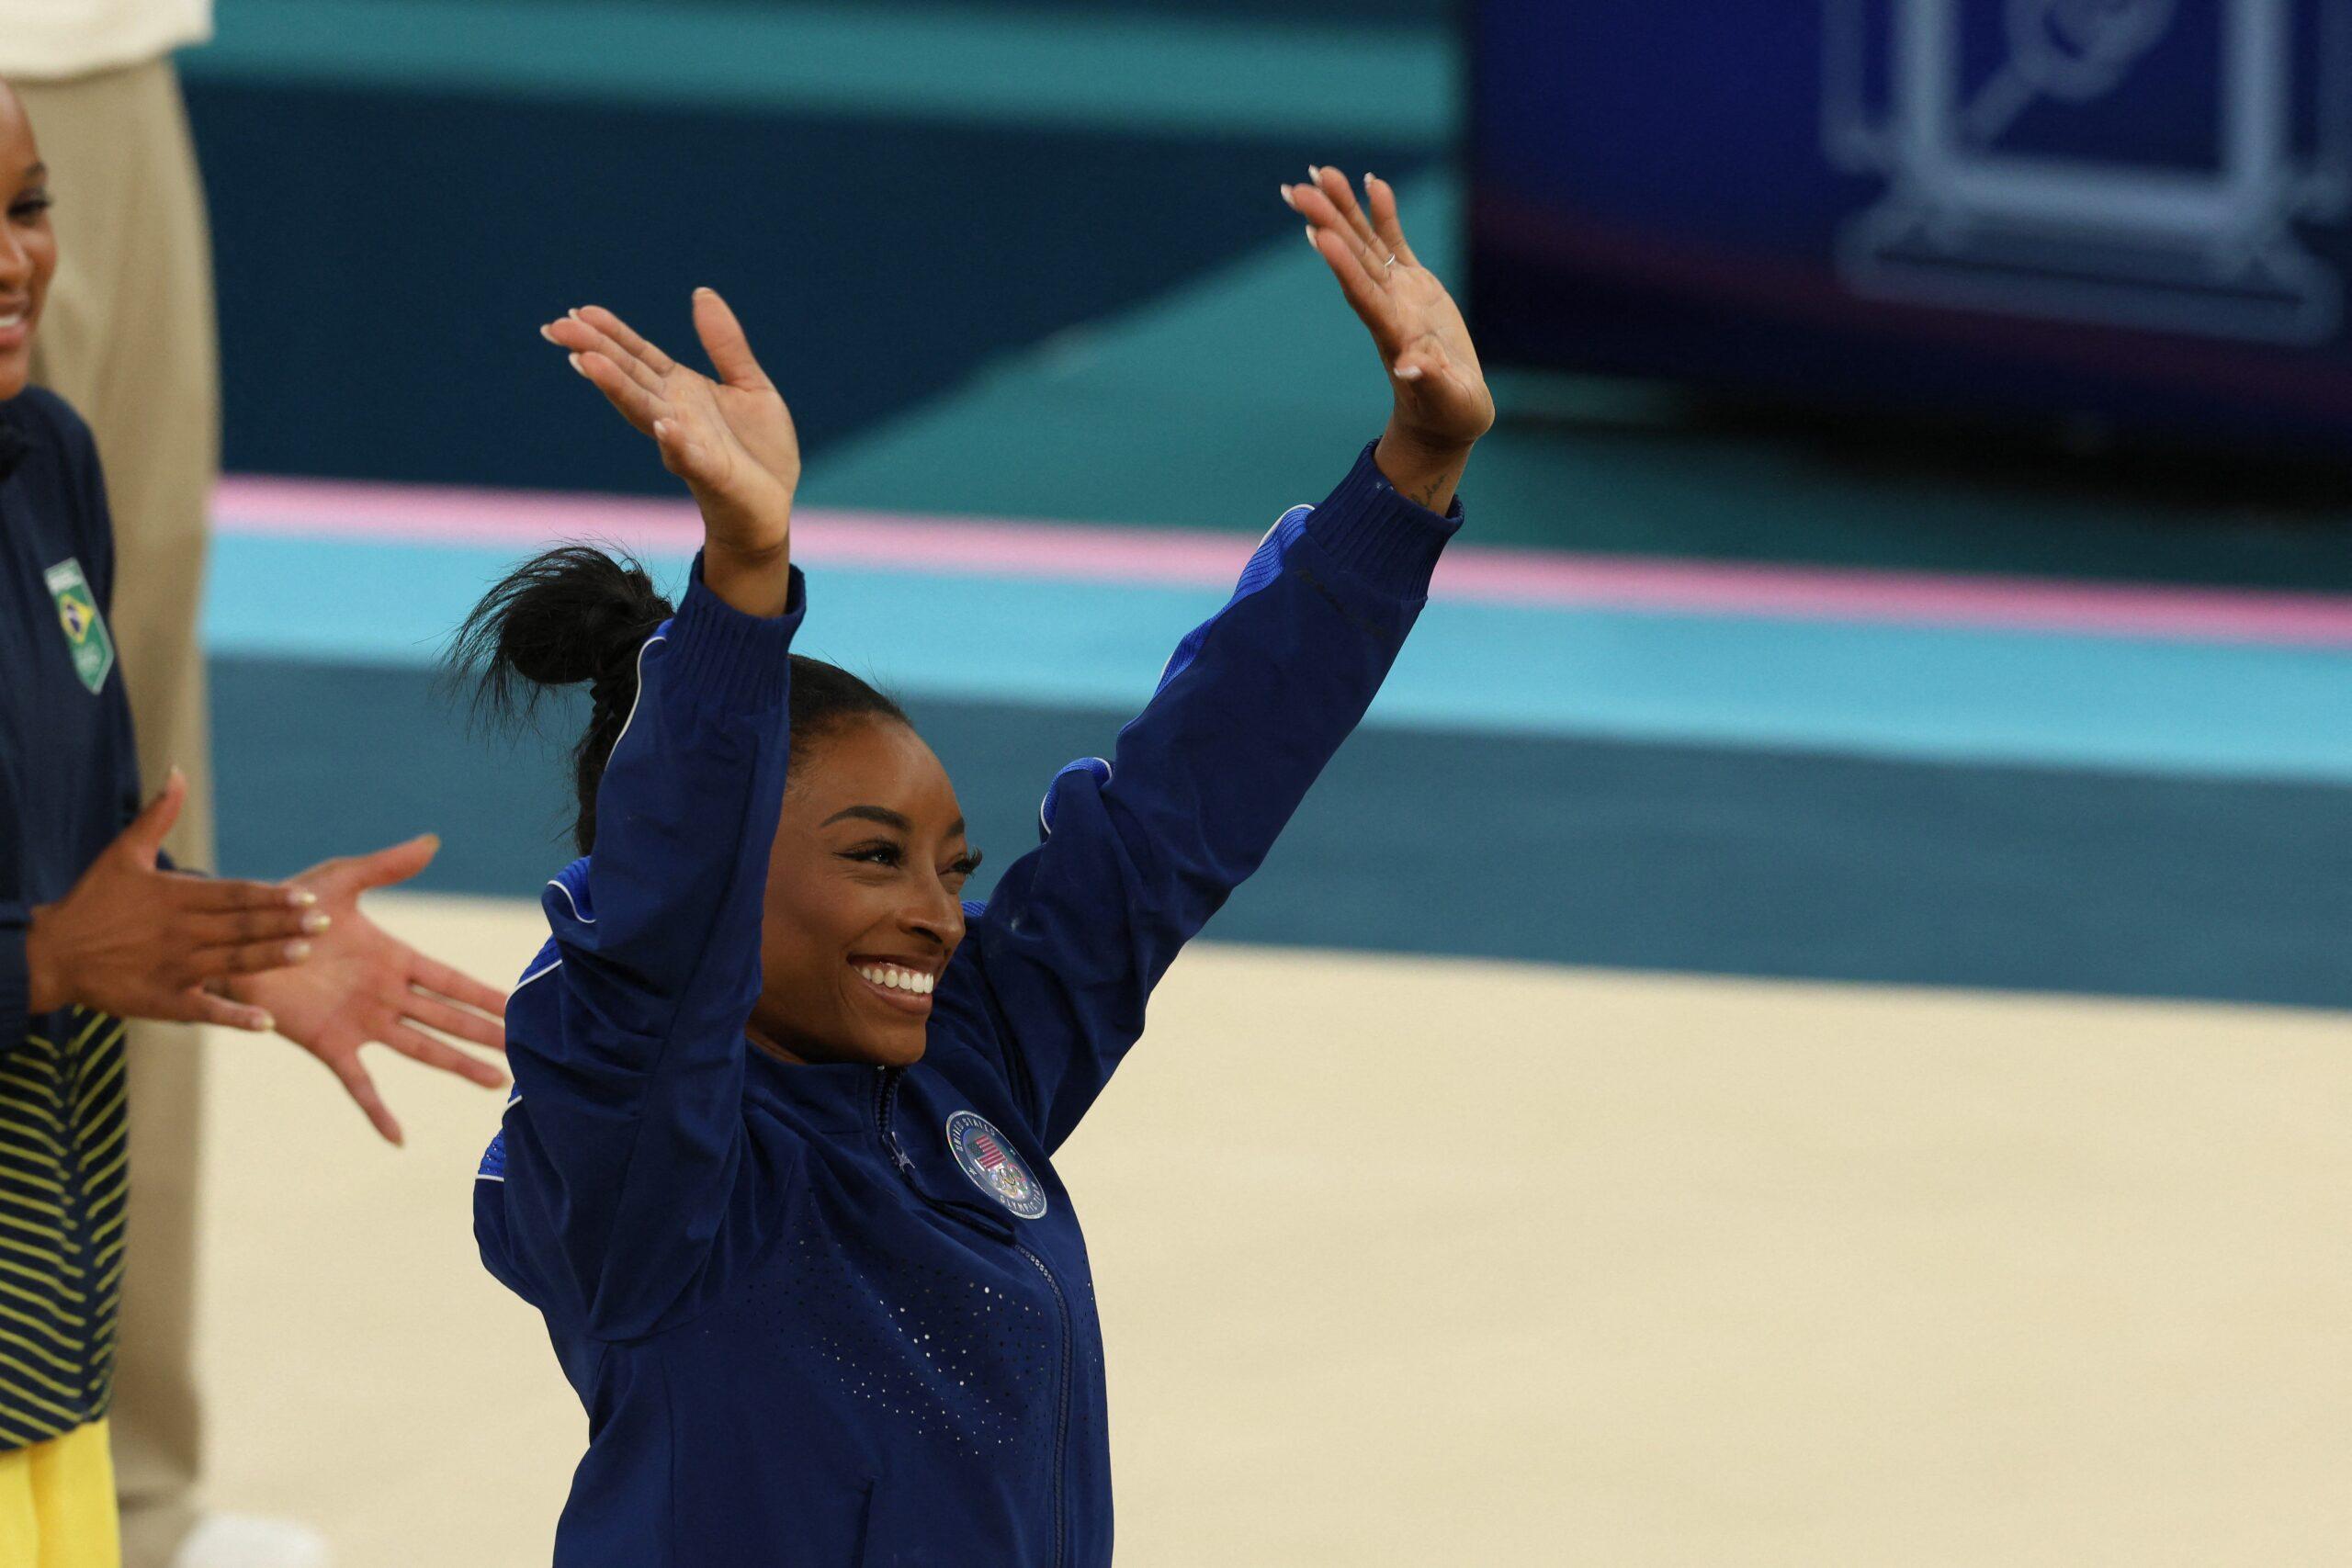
[[908, 991]]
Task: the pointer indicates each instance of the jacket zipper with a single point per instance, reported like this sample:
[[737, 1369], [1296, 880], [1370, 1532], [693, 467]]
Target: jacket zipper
[[884, 1095], [1062, 1413], [885, 1088]]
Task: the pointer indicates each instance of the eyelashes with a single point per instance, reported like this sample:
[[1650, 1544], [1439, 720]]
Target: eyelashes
[[31, 207], [889, 854]]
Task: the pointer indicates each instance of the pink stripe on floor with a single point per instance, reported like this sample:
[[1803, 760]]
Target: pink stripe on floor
[[518, 521]]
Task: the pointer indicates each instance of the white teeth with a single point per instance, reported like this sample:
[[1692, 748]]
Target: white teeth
[[10, 321], [897, 979]]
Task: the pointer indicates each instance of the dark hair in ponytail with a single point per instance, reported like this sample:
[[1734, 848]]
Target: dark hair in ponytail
[[575, 615]]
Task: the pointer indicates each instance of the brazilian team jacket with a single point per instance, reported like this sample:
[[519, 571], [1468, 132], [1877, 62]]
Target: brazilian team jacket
[[69, 783], [841, 1314]]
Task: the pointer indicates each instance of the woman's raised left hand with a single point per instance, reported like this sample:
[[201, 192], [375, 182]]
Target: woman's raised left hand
[[1441, 401]]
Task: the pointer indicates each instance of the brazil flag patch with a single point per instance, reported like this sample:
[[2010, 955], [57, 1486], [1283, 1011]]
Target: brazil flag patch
[[85, 629]]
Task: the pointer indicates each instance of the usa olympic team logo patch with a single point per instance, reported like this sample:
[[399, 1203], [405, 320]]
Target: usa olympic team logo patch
[[994, 1169]]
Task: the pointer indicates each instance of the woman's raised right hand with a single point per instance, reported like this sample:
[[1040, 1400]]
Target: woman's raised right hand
[[730, 439]]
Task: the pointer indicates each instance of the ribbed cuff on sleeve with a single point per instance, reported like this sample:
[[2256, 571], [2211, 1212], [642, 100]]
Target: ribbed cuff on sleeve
[[1378, 535], [726, 656], [16, 982]]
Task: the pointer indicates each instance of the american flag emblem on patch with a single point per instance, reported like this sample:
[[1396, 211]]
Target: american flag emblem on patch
[[992, 1166]]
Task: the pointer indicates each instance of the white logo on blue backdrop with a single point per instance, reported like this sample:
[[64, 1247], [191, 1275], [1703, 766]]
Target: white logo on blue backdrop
[[2129, 162]]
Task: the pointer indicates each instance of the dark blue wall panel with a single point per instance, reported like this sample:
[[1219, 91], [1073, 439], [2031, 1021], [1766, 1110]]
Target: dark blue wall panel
[[385, 259]]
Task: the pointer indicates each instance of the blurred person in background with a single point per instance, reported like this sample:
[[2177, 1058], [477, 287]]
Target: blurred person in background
[[777, 1169], [129, 342], [128, 339], [97, 927]]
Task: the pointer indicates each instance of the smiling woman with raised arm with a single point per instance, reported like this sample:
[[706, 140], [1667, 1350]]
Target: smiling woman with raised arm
[[778, 1168]]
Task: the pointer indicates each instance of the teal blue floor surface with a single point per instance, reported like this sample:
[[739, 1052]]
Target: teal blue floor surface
[[2217, 710]]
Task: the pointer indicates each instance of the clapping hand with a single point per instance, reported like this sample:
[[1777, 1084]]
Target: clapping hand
[[1442, 405], [136, 941], [730, 439], [359, 984]]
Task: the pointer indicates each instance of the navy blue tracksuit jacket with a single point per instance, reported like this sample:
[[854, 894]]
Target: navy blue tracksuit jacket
[[69, 784], [841, 1314]]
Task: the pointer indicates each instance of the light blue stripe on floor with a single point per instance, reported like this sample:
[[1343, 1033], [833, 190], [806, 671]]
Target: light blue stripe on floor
[[2223, 710], [1115, 72]]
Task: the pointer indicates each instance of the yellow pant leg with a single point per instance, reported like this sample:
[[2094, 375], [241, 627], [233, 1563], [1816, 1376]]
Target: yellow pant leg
[[57, 1505], [19, 1531]]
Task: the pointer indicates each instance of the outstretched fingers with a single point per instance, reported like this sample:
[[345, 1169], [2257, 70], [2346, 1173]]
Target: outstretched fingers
[[1382, 197], [1359, 277], [197, 1005], [226, 896], [625, 337], [241, 927], [436, 1012], [438, 978], [1314, 204], [576, 334], [254, 957], [723, 340], [614, 365], [395, 862], [144, 838], [1334, 188], [1363, 295], [642, 409], [419, 1046], [364, 1094]]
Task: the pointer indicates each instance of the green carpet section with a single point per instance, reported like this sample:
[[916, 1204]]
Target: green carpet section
[[1141, 72]]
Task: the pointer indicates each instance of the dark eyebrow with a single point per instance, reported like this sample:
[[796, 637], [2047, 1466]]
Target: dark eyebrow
[[887, 818]]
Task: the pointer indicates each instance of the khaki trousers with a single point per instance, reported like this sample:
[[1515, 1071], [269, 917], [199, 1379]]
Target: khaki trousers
[[128, 339]]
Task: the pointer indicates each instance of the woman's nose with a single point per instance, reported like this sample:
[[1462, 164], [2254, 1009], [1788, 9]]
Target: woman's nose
[[940, 917], [15, 261]]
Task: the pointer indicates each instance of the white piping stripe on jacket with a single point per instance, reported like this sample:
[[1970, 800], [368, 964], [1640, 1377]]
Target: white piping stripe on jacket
[[1045, 823], [558, 886], [657, 636]]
